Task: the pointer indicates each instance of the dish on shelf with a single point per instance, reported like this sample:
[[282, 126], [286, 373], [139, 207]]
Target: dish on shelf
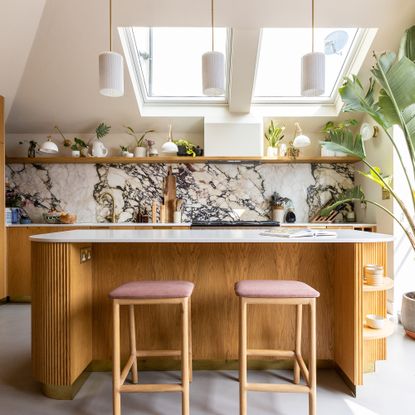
[[375, 321]]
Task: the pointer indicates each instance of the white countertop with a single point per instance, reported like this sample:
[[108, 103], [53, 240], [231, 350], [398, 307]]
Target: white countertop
[[200, 236], [131, 224], [92, 224]]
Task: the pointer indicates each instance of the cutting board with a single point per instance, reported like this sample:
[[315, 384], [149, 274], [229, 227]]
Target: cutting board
[[170, 195]]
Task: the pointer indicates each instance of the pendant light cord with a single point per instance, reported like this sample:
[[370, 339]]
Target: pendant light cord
[[312, 26], [212, 13], [110, 13]]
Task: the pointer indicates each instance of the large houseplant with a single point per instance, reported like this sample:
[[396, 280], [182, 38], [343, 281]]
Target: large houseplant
[[389, 100]]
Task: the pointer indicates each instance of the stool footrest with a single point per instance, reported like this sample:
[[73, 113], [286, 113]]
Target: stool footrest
[[126, 369], [151, 388], [158, 353], [303, 367], [284, 388], [271, 353]]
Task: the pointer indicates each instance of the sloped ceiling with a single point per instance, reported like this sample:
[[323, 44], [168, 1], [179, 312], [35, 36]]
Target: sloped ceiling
[[60, 81]]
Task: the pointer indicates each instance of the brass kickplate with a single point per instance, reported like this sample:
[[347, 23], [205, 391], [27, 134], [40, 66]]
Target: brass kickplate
[[85, 254]]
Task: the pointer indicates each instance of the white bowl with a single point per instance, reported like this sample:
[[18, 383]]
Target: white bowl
[[375, 321]]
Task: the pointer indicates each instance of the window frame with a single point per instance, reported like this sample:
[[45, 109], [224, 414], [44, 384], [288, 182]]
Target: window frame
[[127, 35]]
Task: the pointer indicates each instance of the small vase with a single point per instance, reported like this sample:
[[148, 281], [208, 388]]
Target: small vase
[[85, 152], [272, 152], [278, 215], [76, 153], [140, 152], [124, 153]]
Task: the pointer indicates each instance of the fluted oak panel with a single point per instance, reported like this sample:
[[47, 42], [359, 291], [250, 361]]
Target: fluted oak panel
[[61, 313]]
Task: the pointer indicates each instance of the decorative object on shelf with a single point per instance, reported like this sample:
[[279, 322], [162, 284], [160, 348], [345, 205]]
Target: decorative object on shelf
[[31, 151], [274, 135], [185, 148], [389, 100], [331, 128], [98, 147], [49, 147], [169, 147], [408, 313], [375, 322], [151, 148], [368, 131], [290, 215], [292, 152], [140, 149], [52, 218], [124, 151], [374, 275], [213, 66], [79, 147], [313, 67], [283, 150], [300, 140], [111, 68], [198, 151]]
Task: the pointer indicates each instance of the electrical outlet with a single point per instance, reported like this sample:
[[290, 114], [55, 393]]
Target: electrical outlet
[[85, 254]]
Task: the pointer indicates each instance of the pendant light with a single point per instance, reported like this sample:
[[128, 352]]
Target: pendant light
[[313, 68], [111, 68], [213, 66], [169, 147]]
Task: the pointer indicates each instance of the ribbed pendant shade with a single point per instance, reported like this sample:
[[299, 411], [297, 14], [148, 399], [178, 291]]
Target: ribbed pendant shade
[[313, 68], [111, 74], [213, 73]]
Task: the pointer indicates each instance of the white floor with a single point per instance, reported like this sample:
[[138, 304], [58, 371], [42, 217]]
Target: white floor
[[390, 391]]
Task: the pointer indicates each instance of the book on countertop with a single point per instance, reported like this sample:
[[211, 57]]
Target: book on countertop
[[298, 233]]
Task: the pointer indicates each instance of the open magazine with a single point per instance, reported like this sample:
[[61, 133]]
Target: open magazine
[[298, 233]]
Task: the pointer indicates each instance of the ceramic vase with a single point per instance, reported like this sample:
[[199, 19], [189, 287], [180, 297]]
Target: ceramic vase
[[140, 152]]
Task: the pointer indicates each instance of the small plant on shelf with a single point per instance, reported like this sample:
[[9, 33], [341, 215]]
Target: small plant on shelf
[[102, 130], [78, 147], [274, 135], [185, 148], [139, 139]]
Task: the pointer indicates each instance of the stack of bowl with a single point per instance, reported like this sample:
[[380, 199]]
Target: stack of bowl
[[374, 274]]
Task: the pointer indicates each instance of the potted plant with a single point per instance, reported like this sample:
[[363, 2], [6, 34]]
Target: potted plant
[[328, 128], [278, 208], [185, 148], [389, 100], [140, 150], [98, 148], [79, 147], [124, 151], [274, 135]]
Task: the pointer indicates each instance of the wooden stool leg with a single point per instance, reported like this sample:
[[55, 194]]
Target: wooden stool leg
[[133, 345], [298, 329], [190, 342], [185, 356], [242, 356], [116, 375], [312, 369]]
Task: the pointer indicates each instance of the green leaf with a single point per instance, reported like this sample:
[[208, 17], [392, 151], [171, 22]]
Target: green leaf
[[375, 177], [348, 196], [407, 46], [343, 140], [102, 130], [397, 99]]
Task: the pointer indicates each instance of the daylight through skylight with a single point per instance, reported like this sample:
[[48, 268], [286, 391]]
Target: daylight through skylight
[[279, 67], [170, 59]]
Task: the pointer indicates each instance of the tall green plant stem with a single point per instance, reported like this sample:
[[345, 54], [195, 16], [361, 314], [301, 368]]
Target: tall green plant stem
[[395, 196]]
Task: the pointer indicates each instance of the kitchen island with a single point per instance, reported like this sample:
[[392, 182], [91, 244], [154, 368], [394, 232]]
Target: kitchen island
[[73, 272]]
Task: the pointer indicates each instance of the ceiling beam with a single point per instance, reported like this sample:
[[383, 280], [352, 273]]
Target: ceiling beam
[[245, 53]]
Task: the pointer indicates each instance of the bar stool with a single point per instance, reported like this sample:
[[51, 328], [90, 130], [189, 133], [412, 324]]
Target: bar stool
[[150, 292], [284, 293]]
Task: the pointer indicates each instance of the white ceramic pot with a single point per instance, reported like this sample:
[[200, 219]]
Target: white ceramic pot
[[408, 313], [124, 153], [278, 215], [76, 153], [98, 149], [325, 152], [272, 152], [340, 154], [140, 152], [283, 150]]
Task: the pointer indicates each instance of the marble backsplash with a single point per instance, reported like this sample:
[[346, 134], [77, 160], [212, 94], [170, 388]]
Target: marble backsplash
[[209, 191]]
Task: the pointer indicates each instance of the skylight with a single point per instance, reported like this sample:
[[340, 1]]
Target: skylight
[[168, 61], [278, 76]]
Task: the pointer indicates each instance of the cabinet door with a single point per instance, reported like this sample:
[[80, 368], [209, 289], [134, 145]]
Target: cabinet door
[[19, 270]]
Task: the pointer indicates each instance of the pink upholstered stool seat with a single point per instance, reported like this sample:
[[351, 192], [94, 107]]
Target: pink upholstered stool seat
[[274, 289], [153, 290]]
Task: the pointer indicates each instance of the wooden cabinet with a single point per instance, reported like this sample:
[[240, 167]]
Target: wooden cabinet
[[19, 268]]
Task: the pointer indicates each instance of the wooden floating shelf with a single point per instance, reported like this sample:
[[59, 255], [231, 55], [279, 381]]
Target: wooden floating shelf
[[175, 160], [374, 334], [387, 285]]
